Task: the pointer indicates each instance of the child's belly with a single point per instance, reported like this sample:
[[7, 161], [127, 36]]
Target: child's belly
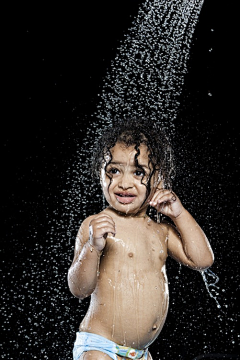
[[129, 305]]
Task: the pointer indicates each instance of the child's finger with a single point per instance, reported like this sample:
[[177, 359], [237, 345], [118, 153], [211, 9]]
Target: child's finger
[[160, 194], [170, 196], [105, 228], [155, 196], [102, 218], [106, 231], [167, 196], [101, 225], [103, 221], [174, 196]]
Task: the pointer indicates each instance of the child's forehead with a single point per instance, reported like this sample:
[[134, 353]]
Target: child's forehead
[[122, 153]]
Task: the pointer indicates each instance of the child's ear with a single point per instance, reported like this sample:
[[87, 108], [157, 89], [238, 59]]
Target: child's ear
[[161, 185]]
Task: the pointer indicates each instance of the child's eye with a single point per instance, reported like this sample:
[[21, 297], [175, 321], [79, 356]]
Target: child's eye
[[139, 173], [113, 171]]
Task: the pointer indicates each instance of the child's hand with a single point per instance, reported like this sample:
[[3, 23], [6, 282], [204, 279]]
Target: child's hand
[[167, 203], [99, 228]]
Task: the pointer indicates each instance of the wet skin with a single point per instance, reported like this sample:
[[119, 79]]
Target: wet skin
[[124, 183], [129, 304], [120, 254]]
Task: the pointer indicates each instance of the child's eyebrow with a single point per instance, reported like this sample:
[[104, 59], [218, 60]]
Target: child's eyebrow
[[143, 166], [121, 163]]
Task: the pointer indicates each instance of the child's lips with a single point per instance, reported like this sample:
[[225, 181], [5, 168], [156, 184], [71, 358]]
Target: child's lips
[[125, 198]]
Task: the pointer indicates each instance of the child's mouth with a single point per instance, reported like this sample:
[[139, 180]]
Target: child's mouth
[[125, 198]]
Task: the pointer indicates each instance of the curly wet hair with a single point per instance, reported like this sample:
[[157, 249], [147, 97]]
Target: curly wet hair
[[134, 132]]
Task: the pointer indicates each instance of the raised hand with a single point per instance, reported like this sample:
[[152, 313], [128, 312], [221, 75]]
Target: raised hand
[[99, 228], [166, 202]]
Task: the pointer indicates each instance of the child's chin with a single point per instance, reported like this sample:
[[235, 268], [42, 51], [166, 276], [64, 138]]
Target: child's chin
[[126, 209]]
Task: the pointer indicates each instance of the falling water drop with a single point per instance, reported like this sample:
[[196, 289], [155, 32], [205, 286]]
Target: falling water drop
[[211, 287]]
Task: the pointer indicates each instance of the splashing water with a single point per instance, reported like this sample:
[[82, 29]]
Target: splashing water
[[210, 284], [146, 77]]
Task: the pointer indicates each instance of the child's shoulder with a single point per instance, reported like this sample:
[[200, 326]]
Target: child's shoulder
[[164, 226]]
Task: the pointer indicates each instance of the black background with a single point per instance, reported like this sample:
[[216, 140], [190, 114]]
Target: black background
[[55, 61]]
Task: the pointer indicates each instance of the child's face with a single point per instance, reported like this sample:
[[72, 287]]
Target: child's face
[[123, 183]]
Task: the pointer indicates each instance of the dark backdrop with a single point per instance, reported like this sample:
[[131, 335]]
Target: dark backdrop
[[54, 65]]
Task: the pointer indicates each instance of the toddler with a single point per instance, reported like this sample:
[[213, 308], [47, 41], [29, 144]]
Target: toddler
[[120, 253]]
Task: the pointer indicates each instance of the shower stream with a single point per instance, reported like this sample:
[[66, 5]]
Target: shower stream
[[147, 75]]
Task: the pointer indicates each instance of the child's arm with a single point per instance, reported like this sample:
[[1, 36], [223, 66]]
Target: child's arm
[[189, 245], [90, 241]]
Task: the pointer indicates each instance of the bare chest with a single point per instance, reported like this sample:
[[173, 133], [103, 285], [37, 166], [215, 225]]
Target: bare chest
[[139, 246]]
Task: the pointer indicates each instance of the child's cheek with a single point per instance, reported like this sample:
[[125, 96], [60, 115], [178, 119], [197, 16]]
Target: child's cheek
[[104, 179]]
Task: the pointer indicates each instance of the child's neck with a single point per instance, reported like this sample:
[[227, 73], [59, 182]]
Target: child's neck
[[139, 214]]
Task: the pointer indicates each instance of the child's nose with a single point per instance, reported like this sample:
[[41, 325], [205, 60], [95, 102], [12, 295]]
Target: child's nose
[[126, 181]]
